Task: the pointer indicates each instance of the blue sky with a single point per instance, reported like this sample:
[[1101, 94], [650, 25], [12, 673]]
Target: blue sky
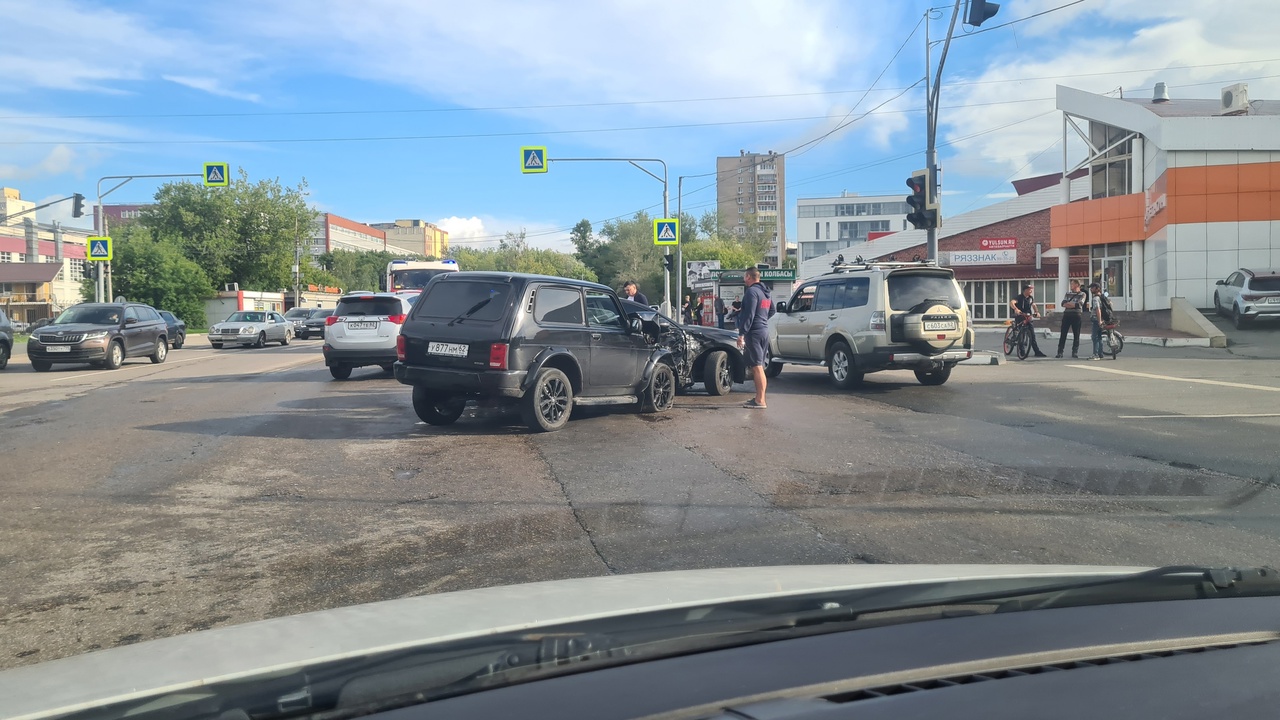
[[140, 87]]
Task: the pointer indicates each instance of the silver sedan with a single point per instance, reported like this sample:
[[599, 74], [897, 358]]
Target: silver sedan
[[250, 327]]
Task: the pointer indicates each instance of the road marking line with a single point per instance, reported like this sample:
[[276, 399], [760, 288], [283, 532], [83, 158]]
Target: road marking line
[[1153, 376], [153, 366], [1228, 415]]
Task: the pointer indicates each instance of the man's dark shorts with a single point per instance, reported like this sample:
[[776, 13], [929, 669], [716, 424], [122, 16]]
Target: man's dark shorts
[[756, 349]]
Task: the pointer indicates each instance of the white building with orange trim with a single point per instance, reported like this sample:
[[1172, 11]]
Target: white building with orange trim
[[1181, 193]]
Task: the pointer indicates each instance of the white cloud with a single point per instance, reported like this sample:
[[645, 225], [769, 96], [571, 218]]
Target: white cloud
[[1098, 42], [62, 213], [482, 232], [58, 160], [213, 87]]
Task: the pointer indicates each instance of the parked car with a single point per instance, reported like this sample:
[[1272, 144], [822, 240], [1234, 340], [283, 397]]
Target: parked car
[[6, 339], [545, 344], [315, 323], [1247, 295], [706, 355], [251, 327], [869, 317], [102, 334], [362, 331], [298, 316], [177, 329]]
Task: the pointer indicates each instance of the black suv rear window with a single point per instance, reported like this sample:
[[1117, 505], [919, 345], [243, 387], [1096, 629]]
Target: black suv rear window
[[1265, 284], [449, 299], [908, 290], [370, 306]]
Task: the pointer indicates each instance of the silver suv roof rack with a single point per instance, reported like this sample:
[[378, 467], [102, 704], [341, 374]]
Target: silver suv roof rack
[[844, 267]]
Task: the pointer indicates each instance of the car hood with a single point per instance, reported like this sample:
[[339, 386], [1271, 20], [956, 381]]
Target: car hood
[[238, 325], [74, 328], [711, 333], [256, 648]]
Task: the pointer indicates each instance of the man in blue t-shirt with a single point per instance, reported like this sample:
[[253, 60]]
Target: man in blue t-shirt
[[753, 332]]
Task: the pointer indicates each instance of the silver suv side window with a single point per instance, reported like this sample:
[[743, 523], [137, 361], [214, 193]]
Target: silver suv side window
[[1239, 279], [857, 291], [802, 301], [561, 306], [826, 299]]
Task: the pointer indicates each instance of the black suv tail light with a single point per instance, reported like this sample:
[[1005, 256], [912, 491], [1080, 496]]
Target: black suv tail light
[[400, 354], [497, 356]]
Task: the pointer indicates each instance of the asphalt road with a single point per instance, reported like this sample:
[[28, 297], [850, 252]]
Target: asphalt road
[[228, 486]]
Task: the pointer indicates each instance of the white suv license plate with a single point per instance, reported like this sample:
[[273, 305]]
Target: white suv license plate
[[362, 325], [450, 349], [940, 325], [58, 348]]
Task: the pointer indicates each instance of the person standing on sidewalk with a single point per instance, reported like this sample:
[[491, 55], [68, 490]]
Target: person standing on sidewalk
[[753, 332], [1074, 304], [1095, 314], [1025, 306], [720, 312]]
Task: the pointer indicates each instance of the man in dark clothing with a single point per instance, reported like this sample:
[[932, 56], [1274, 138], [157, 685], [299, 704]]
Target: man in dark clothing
[[753, 331], [1025, 306], [720, 312], [632, 291], [1074, 305]]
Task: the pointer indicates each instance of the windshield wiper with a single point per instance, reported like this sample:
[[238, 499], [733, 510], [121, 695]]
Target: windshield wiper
[[472, 310]]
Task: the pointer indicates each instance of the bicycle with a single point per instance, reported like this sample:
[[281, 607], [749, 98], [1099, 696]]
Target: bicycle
[[1018, 338], [1112, 338]]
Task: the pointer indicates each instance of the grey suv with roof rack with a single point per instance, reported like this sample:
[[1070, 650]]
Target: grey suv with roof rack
[[867, 317], [545, 344]]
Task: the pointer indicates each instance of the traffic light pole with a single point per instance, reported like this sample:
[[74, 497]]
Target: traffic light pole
[[104, 278]]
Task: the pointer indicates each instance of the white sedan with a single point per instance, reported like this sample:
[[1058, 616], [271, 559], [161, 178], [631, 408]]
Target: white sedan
[[256, 328]]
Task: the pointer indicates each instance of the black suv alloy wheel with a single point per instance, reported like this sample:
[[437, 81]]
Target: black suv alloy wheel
[[546, 407]]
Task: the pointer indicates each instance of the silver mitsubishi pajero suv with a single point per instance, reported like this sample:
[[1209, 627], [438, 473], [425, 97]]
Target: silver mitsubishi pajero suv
[[866, 317]]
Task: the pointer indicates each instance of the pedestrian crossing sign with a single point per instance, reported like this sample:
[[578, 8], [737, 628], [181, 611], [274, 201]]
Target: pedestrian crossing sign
[[216, 175], [533, 159], [98, 249], [666, 231]]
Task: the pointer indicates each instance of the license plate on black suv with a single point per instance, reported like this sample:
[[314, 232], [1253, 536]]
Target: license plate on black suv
[[449, 349]]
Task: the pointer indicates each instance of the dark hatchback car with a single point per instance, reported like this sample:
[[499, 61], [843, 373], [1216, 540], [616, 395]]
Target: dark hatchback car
[[177, 329], [706, 355], [102, 334], [543, 343], [314, 324]]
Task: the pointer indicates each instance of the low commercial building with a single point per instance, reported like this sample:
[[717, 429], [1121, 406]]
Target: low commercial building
[[220, 307], [1182, 192], [334, 232], [415, 237]]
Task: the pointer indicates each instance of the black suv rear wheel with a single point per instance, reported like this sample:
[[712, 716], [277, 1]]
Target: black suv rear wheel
[[717, 373], [435, 408], [4, 356], [546, 407]]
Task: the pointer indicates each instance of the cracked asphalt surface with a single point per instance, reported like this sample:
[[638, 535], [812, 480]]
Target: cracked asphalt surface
[[229, 486]]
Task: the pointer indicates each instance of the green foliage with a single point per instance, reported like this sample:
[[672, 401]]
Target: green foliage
[[355, 270], [732, 254], [245, 233], [514, 255], [152, 270]]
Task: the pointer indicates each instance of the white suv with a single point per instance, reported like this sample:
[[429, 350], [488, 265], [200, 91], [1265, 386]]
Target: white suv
[[362, 331], [869, 317]]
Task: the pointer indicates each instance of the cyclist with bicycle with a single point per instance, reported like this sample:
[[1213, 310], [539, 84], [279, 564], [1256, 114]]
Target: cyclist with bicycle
[[1024, 306]]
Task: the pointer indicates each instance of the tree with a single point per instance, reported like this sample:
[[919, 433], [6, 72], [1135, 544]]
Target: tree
[[245, 233], [153, 270], [527, 260], [358, 270]]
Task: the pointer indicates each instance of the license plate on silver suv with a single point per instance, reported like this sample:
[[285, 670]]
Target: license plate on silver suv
[[449, 349], [362, 325], [940, 325]]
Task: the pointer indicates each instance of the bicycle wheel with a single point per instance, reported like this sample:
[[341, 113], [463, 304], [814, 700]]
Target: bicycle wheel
[[1116, 341], [1024, 342], [1010, 339]]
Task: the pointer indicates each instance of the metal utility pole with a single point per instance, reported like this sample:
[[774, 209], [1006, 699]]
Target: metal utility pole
[[102, 223], [666, 290], [679, 242]]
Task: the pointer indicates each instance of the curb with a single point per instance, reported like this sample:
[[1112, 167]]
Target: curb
[[1168, 341], [985, 357]]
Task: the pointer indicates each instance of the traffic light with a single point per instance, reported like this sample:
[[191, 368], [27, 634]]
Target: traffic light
[[669, 262], [922, 202], [980, 11], [77, 205]]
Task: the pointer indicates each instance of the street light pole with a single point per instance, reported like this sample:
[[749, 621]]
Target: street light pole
[[931, 93], [679, 242], [102, 222], [666, 286]]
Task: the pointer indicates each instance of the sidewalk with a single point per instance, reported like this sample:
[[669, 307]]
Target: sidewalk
[[1133, 334]]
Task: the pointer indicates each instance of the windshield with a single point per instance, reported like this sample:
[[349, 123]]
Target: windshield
[[90, 315], [412, 279], [485, 301], [909, 290], [468, 188]]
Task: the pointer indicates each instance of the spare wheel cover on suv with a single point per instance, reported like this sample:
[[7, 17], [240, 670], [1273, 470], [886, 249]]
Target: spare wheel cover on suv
[[932, 327]]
